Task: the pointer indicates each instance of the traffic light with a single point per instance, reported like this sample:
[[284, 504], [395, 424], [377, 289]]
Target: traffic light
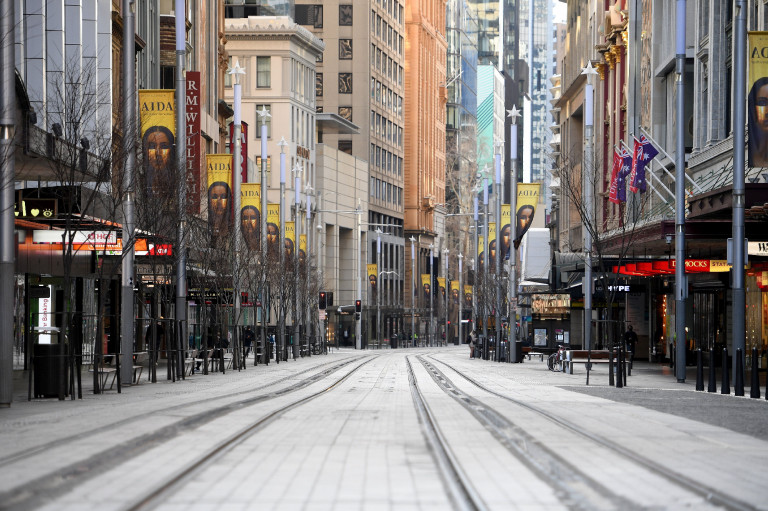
[[329, 299], [357, 315], [358, 306], [323, 303]]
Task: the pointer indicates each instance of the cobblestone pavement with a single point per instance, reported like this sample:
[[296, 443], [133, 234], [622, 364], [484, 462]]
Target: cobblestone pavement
[[343, 431]]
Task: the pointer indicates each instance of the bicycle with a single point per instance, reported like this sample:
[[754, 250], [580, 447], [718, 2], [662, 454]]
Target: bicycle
[[555, 360]]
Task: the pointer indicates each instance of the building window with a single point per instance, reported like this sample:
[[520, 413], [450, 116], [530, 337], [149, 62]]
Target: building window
[[319, 85], [345, 146], [168, 77], [268, 122], [263, 72], [345, 49], [346, 112], [345, 83], [345, 15], [309, 15]]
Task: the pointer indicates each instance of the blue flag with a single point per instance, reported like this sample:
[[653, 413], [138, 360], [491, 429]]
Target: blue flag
[[644, 152]]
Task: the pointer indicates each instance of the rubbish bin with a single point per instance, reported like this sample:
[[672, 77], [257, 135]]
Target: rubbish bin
[[393, 342], [48, 367], [519, 351]]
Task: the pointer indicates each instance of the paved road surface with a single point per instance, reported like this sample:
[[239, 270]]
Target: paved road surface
[[391, 429]]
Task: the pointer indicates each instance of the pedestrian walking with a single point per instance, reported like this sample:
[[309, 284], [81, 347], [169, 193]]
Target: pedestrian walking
[[248, 340], [630, 341]]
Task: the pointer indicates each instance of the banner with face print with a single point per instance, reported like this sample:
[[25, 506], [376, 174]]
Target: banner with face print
[[492, 246], [426, 286], [302, 249], [290, 240], [273, 226], [467, 296], [441, 285], [373, 273], [455, 292], [157, 111], [757, 102], [527, 199], [506, 231], [219, 170], [250, 215]]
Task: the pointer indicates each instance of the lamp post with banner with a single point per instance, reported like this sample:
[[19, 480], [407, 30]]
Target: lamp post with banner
[[264, 114], [512, 289], [236, 73]]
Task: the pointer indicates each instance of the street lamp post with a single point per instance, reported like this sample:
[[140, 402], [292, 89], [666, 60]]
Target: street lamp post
[[281, 250], [236, 72], [447, 292], [512, 315], [497, 193], [297, 170], [413, 288], [430, 329], [460, 305], [378, 287], [485, 260], [587, 184], [264, 114], [308, 320]]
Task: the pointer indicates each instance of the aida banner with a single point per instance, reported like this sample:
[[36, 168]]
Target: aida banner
[[527, 199], [506, 230], [194, 142], [290, 239], [467, 296], [426, 285], [492, 245], [441, 285], [373, 273], [480, 247], [273, 226], [757, 101], [157, 112], [219, 170], [302, 248], [250, 215], [455, 291]]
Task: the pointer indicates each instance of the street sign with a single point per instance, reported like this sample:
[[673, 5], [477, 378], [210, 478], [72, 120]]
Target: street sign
[[322, 315]]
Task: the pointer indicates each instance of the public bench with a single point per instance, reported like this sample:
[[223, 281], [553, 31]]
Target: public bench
[[582, 357], [528, 352], [104, 372]]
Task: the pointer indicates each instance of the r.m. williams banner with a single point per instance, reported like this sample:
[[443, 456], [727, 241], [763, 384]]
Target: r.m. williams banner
[[250, 215], [194, 142], [527, 199], [157, 110], [219, 170], [757, 102]]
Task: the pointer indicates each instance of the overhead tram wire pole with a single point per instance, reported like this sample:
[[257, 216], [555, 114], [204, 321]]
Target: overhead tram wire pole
[[460, 305], [512, 315], [485, 261], [281, 249], [181, 191], [497, 193], [590, 73], [447, 293], [739, 259], [378, 286], [308, 320], [297, 170], [127, 326], [431, 330], [264, 114], [236, 72], [413, 287]]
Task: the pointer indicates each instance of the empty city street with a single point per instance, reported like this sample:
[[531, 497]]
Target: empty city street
[[424, 428]]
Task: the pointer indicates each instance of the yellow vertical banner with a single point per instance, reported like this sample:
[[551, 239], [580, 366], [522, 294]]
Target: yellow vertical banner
[[467, 295], [219, 170], [157, 111], [302, 249], [273, 226], [290, 240], [492, 246], [527, 199], [455, 291], [757, 101], [250, 215], [441, 285], [373, 273], [506, 230], [426, 285]]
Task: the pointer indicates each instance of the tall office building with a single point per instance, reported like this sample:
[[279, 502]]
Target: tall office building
[[536, 47]]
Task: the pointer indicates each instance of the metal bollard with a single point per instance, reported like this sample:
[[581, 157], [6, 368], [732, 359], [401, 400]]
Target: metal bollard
[[754, 387], [699, 371], [738, 379], [712, 373], [725, 387]]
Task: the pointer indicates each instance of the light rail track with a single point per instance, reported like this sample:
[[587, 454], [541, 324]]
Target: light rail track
[[46, 488], [709, 494]]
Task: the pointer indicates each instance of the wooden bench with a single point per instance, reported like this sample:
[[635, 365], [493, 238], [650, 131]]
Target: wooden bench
[[138, 368], [582, 357], [528, 352]]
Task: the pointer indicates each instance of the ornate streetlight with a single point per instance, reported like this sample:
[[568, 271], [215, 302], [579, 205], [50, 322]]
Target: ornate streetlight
[[512, 290], [264, 114]]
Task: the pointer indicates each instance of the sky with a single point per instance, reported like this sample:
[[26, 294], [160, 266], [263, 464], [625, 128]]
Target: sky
[[559, 11]]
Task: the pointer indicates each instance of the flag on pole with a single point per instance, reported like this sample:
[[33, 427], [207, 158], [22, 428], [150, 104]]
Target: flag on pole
[[615, 176], [621, 179], [644, 152]]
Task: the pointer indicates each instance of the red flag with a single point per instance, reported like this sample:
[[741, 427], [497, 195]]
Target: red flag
[[615, 176]]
